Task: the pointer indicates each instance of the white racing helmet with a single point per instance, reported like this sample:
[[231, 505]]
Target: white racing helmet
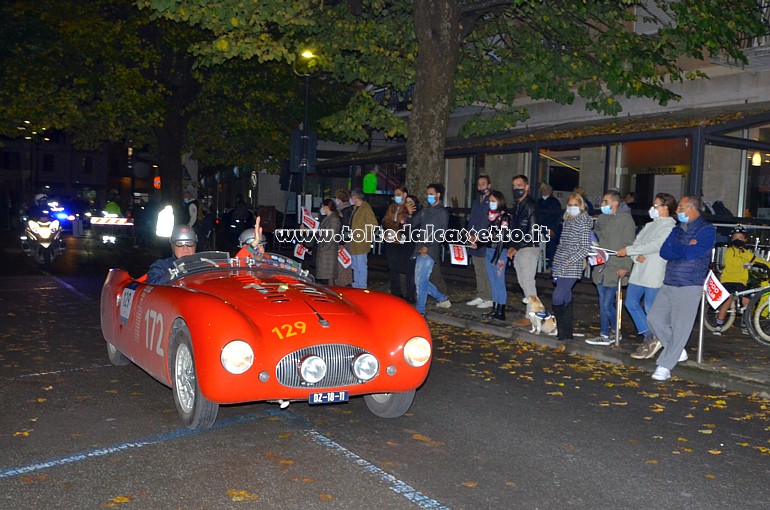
[[41, 198], [247, 236], [183, 233]]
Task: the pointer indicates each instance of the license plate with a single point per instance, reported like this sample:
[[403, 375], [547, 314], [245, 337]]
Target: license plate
[[329, 397]]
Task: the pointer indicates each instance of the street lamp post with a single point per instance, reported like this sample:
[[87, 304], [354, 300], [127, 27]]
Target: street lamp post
[[308, 56]]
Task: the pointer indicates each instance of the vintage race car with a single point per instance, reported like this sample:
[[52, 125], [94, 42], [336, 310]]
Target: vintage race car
[[229, 330]]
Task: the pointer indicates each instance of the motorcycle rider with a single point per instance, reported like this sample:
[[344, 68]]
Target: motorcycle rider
[[39, 209], [183, 243]]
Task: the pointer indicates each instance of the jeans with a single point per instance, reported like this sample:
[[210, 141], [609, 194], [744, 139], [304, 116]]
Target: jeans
[[360, 270], [634, 296], [607, 312], [422, 267], [496, 277]]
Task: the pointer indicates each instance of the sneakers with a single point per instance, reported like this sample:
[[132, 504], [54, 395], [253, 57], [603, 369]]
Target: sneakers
[[745, 331], [485, 304], [525, 300], [718, 331], [600, 340], [683, 357], [444, 304], [648, 349], [661, 374], [475, 302]]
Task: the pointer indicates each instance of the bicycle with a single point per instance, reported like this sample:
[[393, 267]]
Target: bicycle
[[758, 318]]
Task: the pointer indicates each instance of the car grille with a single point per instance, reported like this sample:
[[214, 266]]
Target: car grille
[[338, 357]]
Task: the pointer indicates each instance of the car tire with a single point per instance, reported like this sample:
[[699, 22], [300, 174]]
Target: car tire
[[116, 357], [195, 411], [389, 405]]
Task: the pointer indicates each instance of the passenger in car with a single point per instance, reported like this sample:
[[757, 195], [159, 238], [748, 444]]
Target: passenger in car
[[184, 242]]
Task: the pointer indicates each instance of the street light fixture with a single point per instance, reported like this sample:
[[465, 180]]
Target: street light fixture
[[308, 56]]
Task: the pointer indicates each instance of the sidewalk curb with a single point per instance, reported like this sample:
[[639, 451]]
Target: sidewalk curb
[[688, 371]]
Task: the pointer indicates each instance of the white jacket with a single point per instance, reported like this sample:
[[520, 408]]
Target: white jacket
[[650, 273]]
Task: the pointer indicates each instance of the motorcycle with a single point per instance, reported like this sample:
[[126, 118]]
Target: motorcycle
[[42, 240]]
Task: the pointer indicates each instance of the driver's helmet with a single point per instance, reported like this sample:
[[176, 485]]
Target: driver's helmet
[[41, 198], [183, 233], [738, 229], [247, 236]]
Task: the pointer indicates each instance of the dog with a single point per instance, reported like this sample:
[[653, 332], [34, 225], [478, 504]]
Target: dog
[[541, 319]]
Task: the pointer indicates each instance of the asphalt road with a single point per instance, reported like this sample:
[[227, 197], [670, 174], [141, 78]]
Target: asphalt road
[[498, 424]]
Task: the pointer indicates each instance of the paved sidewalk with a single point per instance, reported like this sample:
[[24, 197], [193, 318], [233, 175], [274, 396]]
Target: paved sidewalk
[[732, 361]]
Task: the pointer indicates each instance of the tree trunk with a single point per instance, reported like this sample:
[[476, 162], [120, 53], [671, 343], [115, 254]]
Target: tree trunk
[[438, 32]]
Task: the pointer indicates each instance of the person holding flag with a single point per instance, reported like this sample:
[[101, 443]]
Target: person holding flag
[[687, 250]]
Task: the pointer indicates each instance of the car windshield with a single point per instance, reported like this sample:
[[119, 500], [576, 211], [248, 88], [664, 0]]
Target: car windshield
[[222, 261]]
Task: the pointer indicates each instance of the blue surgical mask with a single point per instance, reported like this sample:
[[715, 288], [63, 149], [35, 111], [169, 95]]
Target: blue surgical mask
[[682, 217], [398, 199], [431, 199], [186, 200], [492, 206], [606, 209]]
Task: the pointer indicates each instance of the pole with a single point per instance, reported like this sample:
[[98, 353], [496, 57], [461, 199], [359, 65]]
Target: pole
[[700, 329], [305, 136], [618, 311]]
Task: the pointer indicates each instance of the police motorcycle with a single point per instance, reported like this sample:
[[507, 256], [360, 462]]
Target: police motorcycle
[[42, 234]]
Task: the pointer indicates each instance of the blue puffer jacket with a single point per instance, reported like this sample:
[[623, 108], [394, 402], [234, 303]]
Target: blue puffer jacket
[[688, 264]]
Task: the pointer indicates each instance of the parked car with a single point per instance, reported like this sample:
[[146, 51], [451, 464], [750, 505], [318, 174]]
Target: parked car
[[227, 330]]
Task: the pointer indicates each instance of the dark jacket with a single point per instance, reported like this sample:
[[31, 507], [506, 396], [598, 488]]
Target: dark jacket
[[437, 216], [479, 220], [525, 217], [503, 222], [550, 212], [688, 265], [159, 271]]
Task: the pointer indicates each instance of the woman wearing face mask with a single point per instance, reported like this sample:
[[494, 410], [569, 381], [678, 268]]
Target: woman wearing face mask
[[398, 251], [342, 200], [569, 260], [649, 268], [326, 265], [735, 275], [497, 255]]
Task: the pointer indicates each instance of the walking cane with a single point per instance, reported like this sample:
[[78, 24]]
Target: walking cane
[[618, 311]]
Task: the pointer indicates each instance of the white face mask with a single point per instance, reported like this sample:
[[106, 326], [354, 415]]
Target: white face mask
[[351, 202], [573, 210], [654, 212]]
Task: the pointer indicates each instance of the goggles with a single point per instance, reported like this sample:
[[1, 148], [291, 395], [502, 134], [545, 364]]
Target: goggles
[[181, 244]]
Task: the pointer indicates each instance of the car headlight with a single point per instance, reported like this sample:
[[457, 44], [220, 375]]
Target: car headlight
[[237, 357], [312, 369], [417, 351], [365, 366]]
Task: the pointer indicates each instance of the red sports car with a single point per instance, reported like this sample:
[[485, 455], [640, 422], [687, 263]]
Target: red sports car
[[227, 331]]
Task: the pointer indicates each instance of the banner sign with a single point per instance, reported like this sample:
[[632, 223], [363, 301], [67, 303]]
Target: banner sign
[[344, 257], [459, 254], [716, 294]]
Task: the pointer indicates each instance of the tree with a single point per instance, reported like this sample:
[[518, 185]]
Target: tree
[[105, 70], [485, 54]]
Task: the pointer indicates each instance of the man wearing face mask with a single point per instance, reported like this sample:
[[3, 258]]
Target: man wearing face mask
[[687, 250], [478, 221], [614, 229], [550, 216], [428, 251], [363, 221], [524, 251], [735, 275]]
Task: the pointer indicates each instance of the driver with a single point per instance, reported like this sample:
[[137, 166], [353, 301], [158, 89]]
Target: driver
[[183, 243]]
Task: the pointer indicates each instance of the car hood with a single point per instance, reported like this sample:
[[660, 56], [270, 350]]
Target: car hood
[[271, 294]]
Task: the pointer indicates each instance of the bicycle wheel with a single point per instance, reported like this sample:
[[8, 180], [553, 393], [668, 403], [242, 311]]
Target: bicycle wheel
[[711, 317], [759, 325]]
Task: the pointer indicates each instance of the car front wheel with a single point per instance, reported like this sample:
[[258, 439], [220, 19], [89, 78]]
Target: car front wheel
[[389, 405], [116, 357], [194, 409]]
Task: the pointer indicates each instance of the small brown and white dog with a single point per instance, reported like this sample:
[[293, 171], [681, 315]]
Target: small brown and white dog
[[541, 319]]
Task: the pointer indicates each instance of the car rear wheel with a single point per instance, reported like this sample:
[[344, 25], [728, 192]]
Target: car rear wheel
[[116, 357], [389, 405], [193, 408]]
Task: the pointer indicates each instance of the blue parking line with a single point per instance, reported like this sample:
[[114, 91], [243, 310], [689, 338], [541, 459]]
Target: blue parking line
[[393, 483], [140, 443]]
